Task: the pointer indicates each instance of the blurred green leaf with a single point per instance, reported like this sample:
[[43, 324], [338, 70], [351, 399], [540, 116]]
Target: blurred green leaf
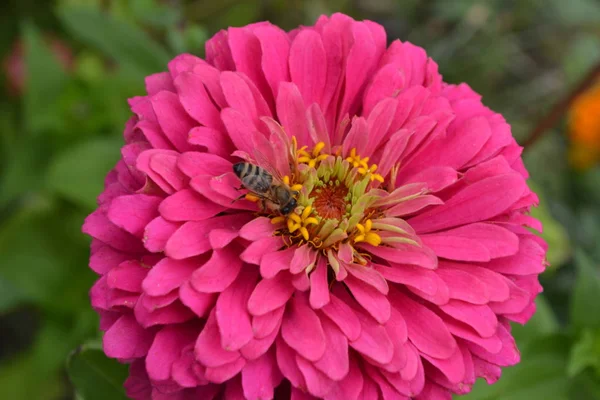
[[45, 81], [9, 296], [128, 45], [78, 173], [585, 353], [583, 54], [586, 386], [576, 12], [539, 375], [559, 246], [95, 376], [542, 323], [585, 301], [35, 374]]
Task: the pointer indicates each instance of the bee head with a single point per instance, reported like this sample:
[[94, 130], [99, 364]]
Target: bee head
[[238, 168], [289, 207]]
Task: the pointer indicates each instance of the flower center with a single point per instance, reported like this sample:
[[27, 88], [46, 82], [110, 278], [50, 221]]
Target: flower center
[[330, 200], [341, 207]]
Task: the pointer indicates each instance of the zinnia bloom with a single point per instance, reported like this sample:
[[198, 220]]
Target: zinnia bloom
[[584, 129], [396, 276]]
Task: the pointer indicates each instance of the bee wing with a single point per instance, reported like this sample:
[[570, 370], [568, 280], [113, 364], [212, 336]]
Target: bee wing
[[263, 162]]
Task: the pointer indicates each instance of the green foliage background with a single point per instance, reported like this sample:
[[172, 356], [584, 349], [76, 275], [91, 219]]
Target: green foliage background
[[60, 136]]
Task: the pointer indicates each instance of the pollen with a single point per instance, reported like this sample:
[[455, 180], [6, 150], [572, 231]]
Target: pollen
[[366, 234], [301, 222], [296, 187], [363, 166], [314, 157]]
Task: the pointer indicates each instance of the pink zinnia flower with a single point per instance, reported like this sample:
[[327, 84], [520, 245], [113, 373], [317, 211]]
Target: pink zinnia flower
[[395, 277]]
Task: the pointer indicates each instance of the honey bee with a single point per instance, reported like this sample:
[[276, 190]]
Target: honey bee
[[275, 193]]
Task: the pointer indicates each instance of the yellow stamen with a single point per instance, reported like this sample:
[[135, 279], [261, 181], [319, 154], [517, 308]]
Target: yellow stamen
[[311, 220], [286, 180], [373, 239], [295, 218], [304, 233], [366, 235], [317, 149], [363, 166], [297, 187], [277, 219], [306, 212]]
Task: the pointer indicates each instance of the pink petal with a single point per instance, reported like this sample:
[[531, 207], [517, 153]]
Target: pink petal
[[480, 201], [373, 341], [453, 367], [307, 69], [334, 363], [426, 330], [309, 344], [187, 205], [166, 349], [232, 314], [238, 126], [193, 237], [169, 274], [509, 355], [173, 120], [461, 330], [220, 238], [272, 263], [286, 360], [134, 212], [246, 53], [375, 303], [128, 276], [225, 372], [413, 205], [260, 377], [304, 257], [369, 275], [317, 383], [157, 233], [344, 317], [490, 372], [257, 228], [479, 317], [528, 260], [200, 303], [157, 82], [196, 101], [213, 141], [291, 111], [256, 250], [350, 386], [174, 313], [406, 254], [270, 294], [275, 48], [126, 339], [464, 286], [319, 290], [264, 325], [98, 226], [218, 272], [208, 348], [257, 347], [419, 278], [195, 163], [104, 258], [164, 164], [495, 283], [436, 178]]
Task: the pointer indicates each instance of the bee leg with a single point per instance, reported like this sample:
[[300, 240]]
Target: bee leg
[[239, 188], [239, 198]]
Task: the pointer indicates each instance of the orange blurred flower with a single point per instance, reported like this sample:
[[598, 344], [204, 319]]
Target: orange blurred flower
[[584, 129]]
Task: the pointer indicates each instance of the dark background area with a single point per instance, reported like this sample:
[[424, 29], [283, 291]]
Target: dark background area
[[68, 67]]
